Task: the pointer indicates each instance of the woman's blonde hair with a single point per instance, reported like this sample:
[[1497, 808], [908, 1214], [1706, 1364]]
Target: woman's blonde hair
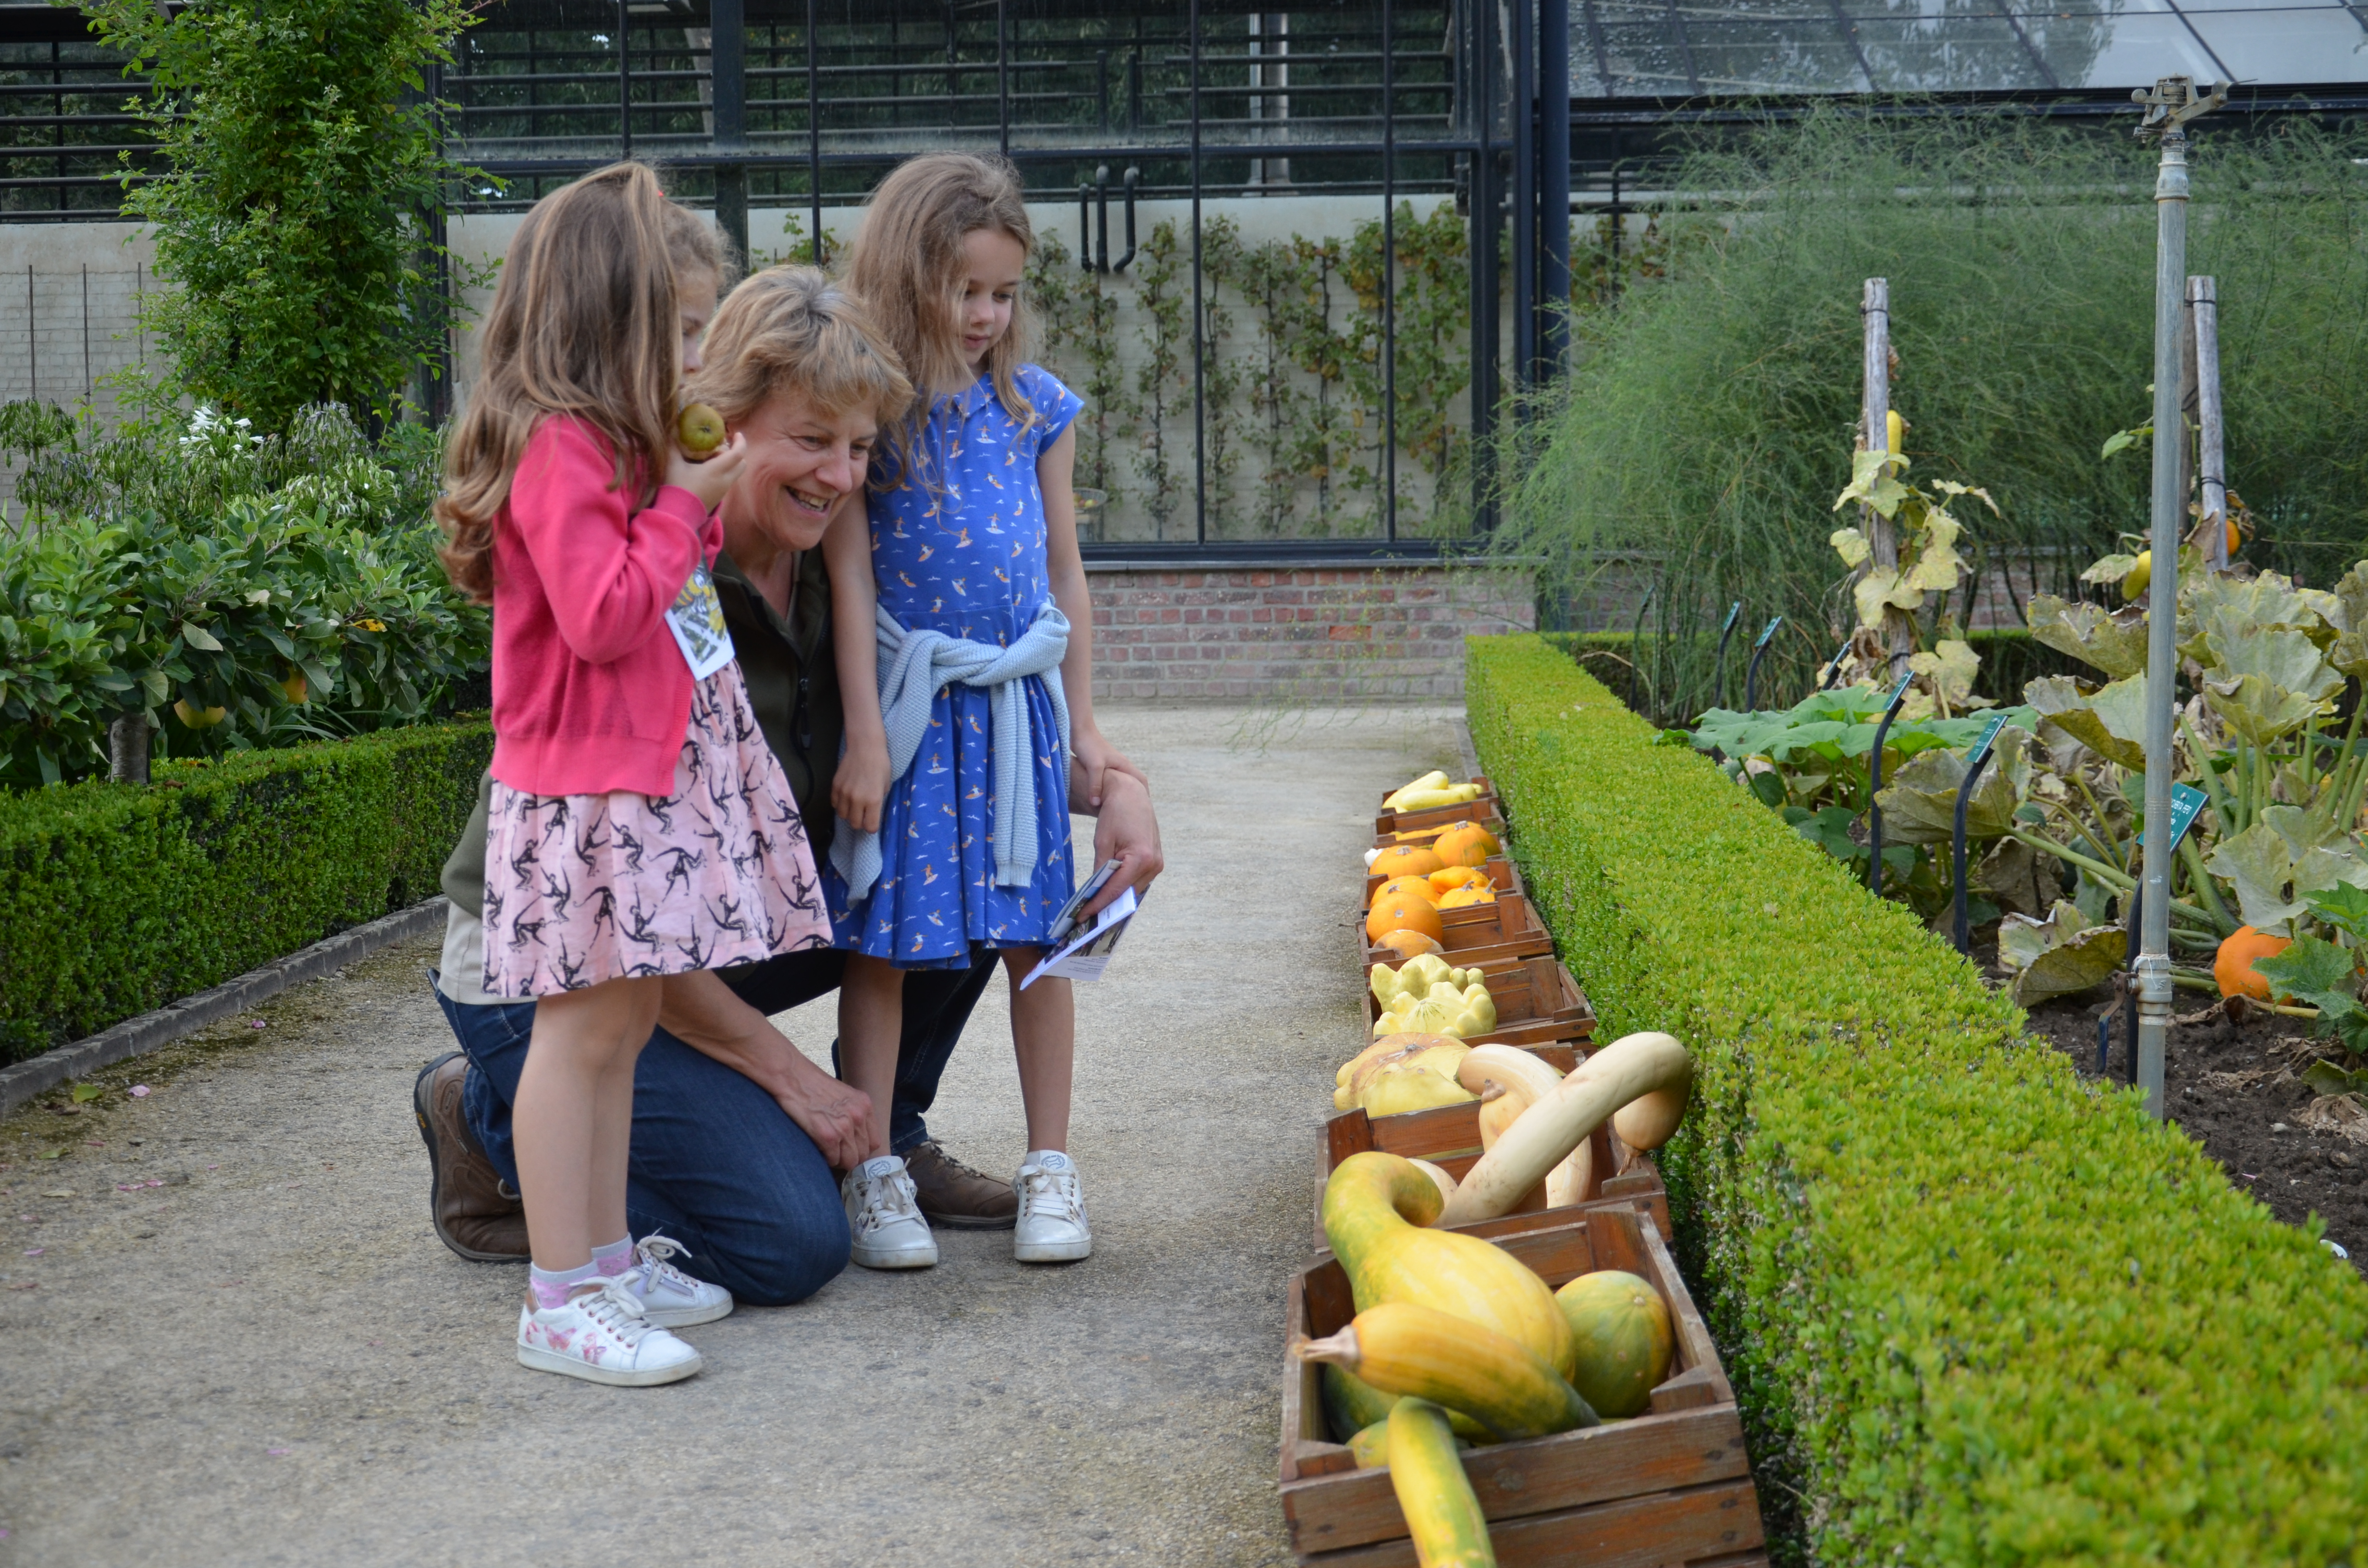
[[907, 262], [585, 322], [791, 329]]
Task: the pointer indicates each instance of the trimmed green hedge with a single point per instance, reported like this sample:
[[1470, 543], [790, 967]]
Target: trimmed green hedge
[[115, 899], [1977, 1310]]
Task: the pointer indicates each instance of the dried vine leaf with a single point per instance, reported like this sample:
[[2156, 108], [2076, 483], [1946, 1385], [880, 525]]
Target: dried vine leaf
[[2019, 879], [2059, 956], [2113, 641], [1852, 546], [2109, 719], [1874, 482], [1919, 803]]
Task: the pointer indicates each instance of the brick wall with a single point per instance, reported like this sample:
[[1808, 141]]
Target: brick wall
[[1317, 633]]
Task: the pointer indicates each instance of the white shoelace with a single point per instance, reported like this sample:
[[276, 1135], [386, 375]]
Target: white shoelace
[[1055, 1195], [886, 1198], [615, 1309], [653, 1250]]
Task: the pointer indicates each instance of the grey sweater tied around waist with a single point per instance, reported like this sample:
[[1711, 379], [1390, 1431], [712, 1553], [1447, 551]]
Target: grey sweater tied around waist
[[914, 667]]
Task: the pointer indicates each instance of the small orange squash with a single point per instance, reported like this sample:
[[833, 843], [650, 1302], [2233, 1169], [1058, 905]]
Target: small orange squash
[[1409, 944], [1412, 887], [2233, 966], [1403, 913], [1405, 860]]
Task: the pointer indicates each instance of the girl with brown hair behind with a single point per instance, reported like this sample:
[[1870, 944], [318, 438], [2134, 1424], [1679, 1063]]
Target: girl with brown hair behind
[[639, 827], [964, 635]]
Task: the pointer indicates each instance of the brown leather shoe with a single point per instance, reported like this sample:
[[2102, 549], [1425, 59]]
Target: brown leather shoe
[[476, 1212], [954, 1195]]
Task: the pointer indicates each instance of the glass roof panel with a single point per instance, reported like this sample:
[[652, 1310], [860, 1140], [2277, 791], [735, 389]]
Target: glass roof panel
[[1741, 48]]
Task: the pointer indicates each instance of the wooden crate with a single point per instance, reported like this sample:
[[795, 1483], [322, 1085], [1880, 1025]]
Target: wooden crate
[[1537, 1004], [1449, 1137], [1671, 1486], [1503, 876], [1482, 815], [1481, 935], [1485, 805]]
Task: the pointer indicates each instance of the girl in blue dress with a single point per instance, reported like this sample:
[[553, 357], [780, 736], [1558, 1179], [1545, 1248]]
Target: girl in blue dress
[[965, 642]]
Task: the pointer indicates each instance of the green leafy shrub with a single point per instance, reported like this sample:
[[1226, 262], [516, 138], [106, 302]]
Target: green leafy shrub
[[115, 899], [288, 580], [1977, 1311]]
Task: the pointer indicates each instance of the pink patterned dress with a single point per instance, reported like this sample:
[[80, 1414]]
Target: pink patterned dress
[[580, 888]]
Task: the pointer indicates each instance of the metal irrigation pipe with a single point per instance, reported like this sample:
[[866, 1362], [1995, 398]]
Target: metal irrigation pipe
[[1981, 759], [1874, 784], [1751, 671], [1718, 679]]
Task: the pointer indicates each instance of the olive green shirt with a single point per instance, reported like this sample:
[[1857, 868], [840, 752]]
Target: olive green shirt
[[792, 678]]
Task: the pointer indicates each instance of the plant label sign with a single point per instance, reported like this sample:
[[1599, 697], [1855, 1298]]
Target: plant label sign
[[1898, 693], [1989, 737], [1768, 632], [2186, 805]]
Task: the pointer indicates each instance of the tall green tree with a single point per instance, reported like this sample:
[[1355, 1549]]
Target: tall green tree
[[300, 167]]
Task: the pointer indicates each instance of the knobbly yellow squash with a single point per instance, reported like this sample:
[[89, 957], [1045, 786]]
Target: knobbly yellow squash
[[1442, 1513], [1375, 1207], [1422, 1353]]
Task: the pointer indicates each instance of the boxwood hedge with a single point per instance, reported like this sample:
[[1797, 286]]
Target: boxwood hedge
[[1978, 1310], [118, 898]]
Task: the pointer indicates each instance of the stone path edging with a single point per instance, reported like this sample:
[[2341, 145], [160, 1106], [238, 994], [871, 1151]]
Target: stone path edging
[[136, 1037]]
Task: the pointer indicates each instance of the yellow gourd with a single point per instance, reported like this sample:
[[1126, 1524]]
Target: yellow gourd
[[1434, 1055], [1422, 1353], [1442, 1513], [1375, 1209]]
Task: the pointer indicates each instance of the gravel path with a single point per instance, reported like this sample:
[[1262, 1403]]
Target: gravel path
[[231, 1337]]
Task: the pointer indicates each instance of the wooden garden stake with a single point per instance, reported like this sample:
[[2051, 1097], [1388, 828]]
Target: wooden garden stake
[[1883, 539]]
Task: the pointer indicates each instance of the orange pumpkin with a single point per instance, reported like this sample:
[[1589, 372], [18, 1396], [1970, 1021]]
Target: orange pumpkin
[[1404, 860], [1466, 898], [1465, 845], [1409, 887], [1409, 944], [1403, 913], [1454, 877], [2233, 966]]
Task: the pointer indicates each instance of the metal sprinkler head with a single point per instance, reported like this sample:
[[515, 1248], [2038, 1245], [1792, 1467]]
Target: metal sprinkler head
[[2172, 102]]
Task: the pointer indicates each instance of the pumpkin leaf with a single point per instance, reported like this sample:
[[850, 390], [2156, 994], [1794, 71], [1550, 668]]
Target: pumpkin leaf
[[1852, 546], [2018, 878], [1951, 667], [1875, 482], [2320, 974], [2258, 863], [2109, 721], [2113, 641], [2345, 907], [2327, 1078], [2060, 956], [1920, 803], [2111, 569]]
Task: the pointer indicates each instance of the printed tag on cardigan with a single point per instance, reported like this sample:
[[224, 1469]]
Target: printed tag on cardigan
[[696, 618]]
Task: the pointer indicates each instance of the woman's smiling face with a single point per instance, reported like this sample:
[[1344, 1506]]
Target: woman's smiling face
[[801, 465]]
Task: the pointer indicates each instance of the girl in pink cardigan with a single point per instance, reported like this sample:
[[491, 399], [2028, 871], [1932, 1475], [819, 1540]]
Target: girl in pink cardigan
[[640, 827]]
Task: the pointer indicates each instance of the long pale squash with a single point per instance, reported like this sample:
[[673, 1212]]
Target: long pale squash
[[1525, 1080], [1442, 1513], [1416, 1351], [1375, 1209], [1627, 1070]]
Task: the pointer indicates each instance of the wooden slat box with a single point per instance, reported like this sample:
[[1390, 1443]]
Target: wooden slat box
[[1537, 1004], [1483, 934], [1503, 875], [1449, 1137], [1671, 1486], [1482, 814], [1485, 806]]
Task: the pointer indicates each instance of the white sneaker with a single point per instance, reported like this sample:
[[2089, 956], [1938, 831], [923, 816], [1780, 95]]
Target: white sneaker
[[602, 1337], [669, 1298], [1051, 1227], [887, 1223]]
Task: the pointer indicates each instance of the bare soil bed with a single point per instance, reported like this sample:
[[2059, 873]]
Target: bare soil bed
[[2236, 1089]]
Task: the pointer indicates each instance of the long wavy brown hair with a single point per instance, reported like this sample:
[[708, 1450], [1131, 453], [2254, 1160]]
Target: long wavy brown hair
[[907, 262], [585, 322]]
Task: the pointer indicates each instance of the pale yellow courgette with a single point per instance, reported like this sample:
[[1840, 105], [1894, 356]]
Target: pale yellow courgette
[[1544, 1136], [1524, 1080]]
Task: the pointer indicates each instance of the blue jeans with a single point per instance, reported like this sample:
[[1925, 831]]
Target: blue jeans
[[716, 1164]]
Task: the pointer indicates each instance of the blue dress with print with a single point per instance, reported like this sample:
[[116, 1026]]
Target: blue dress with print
[[965, 556]]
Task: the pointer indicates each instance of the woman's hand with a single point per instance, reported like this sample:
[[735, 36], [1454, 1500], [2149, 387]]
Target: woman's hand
[[1097, 757], [711, 480], [861, 783]]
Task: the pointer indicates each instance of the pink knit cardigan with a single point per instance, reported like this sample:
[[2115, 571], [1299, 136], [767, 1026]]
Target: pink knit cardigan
[[591, 693]]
